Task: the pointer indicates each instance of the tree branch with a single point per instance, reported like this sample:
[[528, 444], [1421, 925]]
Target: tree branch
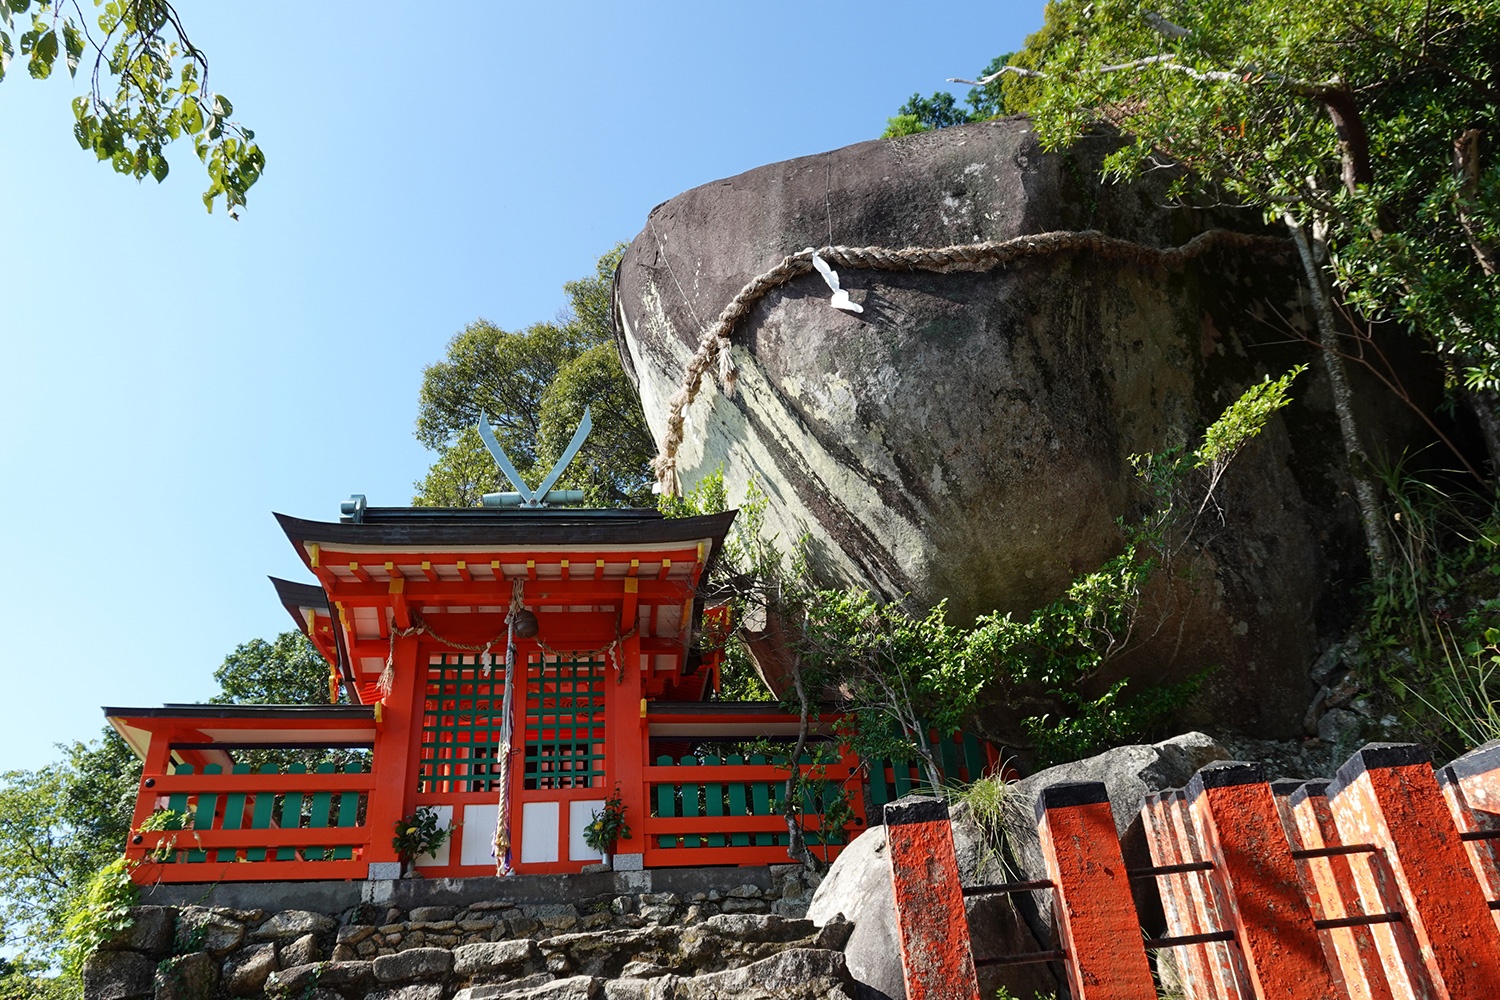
[[1354, 141], [1165, 27], [1466, 200], [986, 80], [1166, 62]]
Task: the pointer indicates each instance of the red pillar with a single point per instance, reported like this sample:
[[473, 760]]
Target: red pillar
[[1240, 826], [1095, 911], [393, 762], [158, 760], [1386, 795], [937, 961]]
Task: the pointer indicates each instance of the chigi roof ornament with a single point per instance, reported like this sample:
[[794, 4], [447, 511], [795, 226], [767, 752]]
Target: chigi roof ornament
[[544, 495]]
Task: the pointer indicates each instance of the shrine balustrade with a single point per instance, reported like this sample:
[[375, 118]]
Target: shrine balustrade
[[275, 821], [236, 793], [272, 793], [710, 808]]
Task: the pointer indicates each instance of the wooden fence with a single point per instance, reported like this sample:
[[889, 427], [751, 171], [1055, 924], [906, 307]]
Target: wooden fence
[[714, 810], [1380, 884], [276, 822]]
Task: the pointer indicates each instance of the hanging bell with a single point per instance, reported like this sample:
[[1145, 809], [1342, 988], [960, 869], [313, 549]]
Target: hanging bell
[[525, 624]]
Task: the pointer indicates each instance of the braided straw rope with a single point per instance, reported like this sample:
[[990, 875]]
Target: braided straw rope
[[713, 347]]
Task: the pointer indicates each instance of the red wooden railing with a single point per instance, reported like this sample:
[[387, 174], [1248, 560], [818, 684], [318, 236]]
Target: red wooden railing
[[712, 810], [229, 821], [279, 822], [1379, 884]]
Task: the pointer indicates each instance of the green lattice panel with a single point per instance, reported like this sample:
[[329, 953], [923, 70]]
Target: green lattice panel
[[461, 724], [565, 724]]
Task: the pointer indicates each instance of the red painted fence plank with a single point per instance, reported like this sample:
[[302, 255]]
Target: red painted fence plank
[[1237, 819], [937, 961], [1335, 895], [1386, 795], [1091, 897], [1210, 970]]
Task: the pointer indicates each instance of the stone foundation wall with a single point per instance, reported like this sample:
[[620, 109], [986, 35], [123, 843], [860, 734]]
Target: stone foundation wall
[[734, 932]]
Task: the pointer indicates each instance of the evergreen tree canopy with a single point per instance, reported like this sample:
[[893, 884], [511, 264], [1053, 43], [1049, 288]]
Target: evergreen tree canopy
[[533, 386]]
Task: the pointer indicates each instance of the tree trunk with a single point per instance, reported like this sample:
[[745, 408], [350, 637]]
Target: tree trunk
[[929, 763], [1354, 141], [1484, 404], [1312, 251], [796, 847]]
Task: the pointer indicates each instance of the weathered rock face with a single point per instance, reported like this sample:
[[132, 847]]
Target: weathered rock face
[[968, 435]]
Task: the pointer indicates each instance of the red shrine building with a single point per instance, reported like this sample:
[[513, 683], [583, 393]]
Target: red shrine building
[[612, 692]]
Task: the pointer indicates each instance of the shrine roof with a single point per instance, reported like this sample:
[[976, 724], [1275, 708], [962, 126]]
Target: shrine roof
[[299, 598], [247, 726], [438, 528], [188, 710]]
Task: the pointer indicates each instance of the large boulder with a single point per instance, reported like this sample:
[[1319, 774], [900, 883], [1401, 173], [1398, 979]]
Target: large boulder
[[118, 975], [968, 435], [194, 976], [150, 930], [794, 974]]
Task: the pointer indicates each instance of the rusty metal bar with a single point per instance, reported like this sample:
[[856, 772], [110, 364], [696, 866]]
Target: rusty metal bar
[[1025, 958], [1333, 852], [1187, 866], [1364, 920], [1212, 937], [1000, 888], [1473, 835]]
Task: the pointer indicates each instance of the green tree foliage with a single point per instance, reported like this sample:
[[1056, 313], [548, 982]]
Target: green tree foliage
[[58, 825], [147, 88], [288, 670], [533, 386], [23, 979], [922, 114], [901, 674]]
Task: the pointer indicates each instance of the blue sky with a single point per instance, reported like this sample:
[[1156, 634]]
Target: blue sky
[[169, 378]]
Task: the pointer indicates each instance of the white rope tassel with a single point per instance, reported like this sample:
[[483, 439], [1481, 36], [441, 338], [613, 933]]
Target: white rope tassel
[[840, 298], [727, 373], [614, 658]]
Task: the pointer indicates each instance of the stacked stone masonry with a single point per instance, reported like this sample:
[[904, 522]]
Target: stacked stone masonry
[[741, 941]]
